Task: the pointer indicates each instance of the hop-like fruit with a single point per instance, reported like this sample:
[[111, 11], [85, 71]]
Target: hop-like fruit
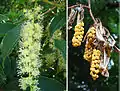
[[91, 34], [78, 36], [88, 52], [95, 64], [89, 45]]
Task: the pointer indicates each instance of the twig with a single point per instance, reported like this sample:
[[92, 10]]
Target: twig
[[51, 3], [49, 10], [73, 6], [116, 49], [84, 6], [85, 37], [91, 11]]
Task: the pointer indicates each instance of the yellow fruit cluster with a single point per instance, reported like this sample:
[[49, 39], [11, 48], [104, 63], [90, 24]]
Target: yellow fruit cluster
[[79, 32], [95, 68], [88, 52], [89, 46], [91, 34]]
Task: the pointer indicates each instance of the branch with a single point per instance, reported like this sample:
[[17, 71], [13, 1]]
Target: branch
[[84, 6], [51, 3], [91, 14], [73, 6], [116, 49], [49, 10]]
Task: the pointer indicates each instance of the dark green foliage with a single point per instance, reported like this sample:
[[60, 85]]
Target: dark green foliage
[[61, 45], [3, 18], [57, 22], [45, 84], [5, 27], [9, 41]]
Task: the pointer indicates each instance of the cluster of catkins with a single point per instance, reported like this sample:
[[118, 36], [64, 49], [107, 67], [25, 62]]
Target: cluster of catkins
[[89, 45], [78, 35], [95, 64], [91, 54], [29, 48]]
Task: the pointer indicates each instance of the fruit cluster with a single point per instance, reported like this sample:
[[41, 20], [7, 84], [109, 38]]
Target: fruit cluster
[[78, 35], [89, 46], [91, 54], [95, 68], [91, 35], [88, 52]]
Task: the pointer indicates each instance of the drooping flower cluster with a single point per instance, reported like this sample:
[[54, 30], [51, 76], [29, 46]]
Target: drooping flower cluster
[[95, 64], [78, 36], [92, 54], [29, 48], [89, 45], [97, 52]]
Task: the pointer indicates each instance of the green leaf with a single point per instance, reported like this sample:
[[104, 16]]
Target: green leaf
[[12, 85], [2, 77], [61, 45], [21, 1], [9, 41], [113, 27], [48, 84], [5, 27], [57, 22], [3, 17], [7, 68], [10, 67]]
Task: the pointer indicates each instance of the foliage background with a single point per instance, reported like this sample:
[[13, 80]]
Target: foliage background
[[79, 74], [53, 52]]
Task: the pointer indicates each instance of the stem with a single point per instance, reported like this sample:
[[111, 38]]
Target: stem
[[117, 49], [73, 6], [49, 10], [52, 3], [91, 14], [46, 1], [84, 6]]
